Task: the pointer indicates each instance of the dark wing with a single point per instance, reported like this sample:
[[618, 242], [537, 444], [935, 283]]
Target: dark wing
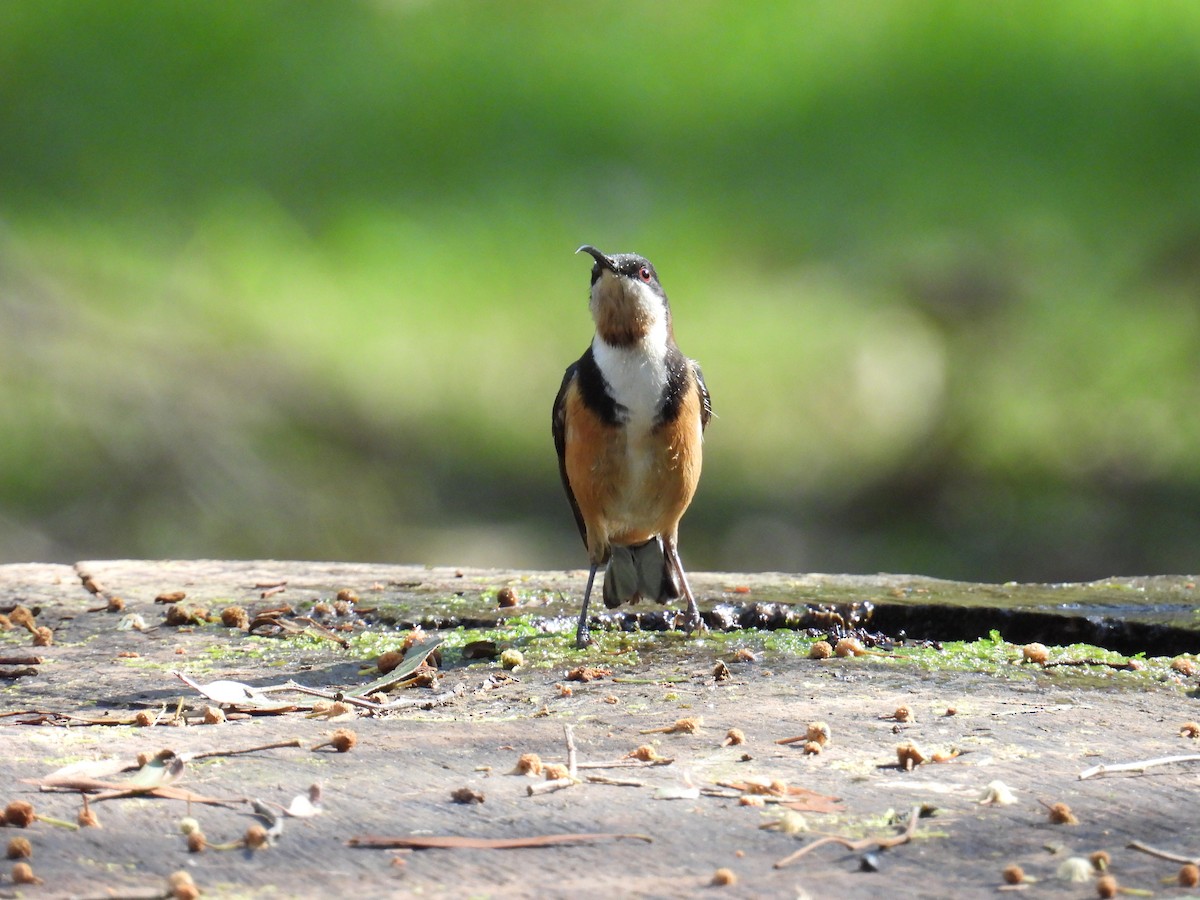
[[559, 428], [705, 399]]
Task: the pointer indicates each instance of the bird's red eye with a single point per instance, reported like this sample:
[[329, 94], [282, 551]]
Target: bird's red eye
[[645, 274]]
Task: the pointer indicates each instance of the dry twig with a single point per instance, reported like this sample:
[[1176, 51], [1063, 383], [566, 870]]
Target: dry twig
[[627, 763], [204, 754], [1131, 665], [449, 842], [572, 767], [1163, 854], [21, 660], [549, 787], [1139, 766], [14, 674], [618, 782]]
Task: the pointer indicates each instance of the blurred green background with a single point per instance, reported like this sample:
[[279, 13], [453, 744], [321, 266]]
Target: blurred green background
[[295, 279]]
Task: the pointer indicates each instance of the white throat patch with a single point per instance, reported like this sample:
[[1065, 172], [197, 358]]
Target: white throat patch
[[636, 374]]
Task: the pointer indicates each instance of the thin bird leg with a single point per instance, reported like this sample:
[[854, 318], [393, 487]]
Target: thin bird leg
[[582, 634], [693, 621]]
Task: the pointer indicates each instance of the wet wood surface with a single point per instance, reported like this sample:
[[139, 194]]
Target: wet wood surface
[[1036, 730]]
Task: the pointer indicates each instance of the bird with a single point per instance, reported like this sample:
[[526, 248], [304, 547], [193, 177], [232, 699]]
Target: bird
[[628, 425]]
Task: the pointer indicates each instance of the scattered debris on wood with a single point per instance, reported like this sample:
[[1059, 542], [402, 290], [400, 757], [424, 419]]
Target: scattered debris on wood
[[857, 846]]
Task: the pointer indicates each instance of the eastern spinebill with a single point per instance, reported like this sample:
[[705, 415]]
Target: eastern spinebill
[[628, 426]]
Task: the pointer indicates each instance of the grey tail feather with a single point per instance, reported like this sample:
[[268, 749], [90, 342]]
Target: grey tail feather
[[641, 570]]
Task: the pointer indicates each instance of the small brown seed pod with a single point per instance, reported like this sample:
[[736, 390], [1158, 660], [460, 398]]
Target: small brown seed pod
[[819, 732], [180, 886], [644, 752], [1035, 653], [343, 740], [22, 873], [820, 650], [415, 636], [87, 817], [848, 647], [1189, 875], [1060, 814], [256, 837], [723, 877], [528, 764], [909, 756], [388, 661], [177, 616], [1184, 666], [19, 814]]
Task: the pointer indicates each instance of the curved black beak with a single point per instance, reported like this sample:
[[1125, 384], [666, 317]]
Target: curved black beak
[[603, 261]]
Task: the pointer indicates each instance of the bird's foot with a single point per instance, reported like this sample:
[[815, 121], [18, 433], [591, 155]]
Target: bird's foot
[[690, 624], [583, 639]]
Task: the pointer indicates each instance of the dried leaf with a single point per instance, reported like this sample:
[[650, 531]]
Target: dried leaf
[[232, 693], [168, 792], [91, 769], [305, 806], [132, 622], [413, 660]]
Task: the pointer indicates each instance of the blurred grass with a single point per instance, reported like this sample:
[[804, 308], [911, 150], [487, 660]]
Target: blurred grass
[[295, 279]]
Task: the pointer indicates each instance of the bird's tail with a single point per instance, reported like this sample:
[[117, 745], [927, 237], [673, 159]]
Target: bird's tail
[[642, 570]]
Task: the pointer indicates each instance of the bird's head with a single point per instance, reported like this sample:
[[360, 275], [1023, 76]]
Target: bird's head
[[627, 302]]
